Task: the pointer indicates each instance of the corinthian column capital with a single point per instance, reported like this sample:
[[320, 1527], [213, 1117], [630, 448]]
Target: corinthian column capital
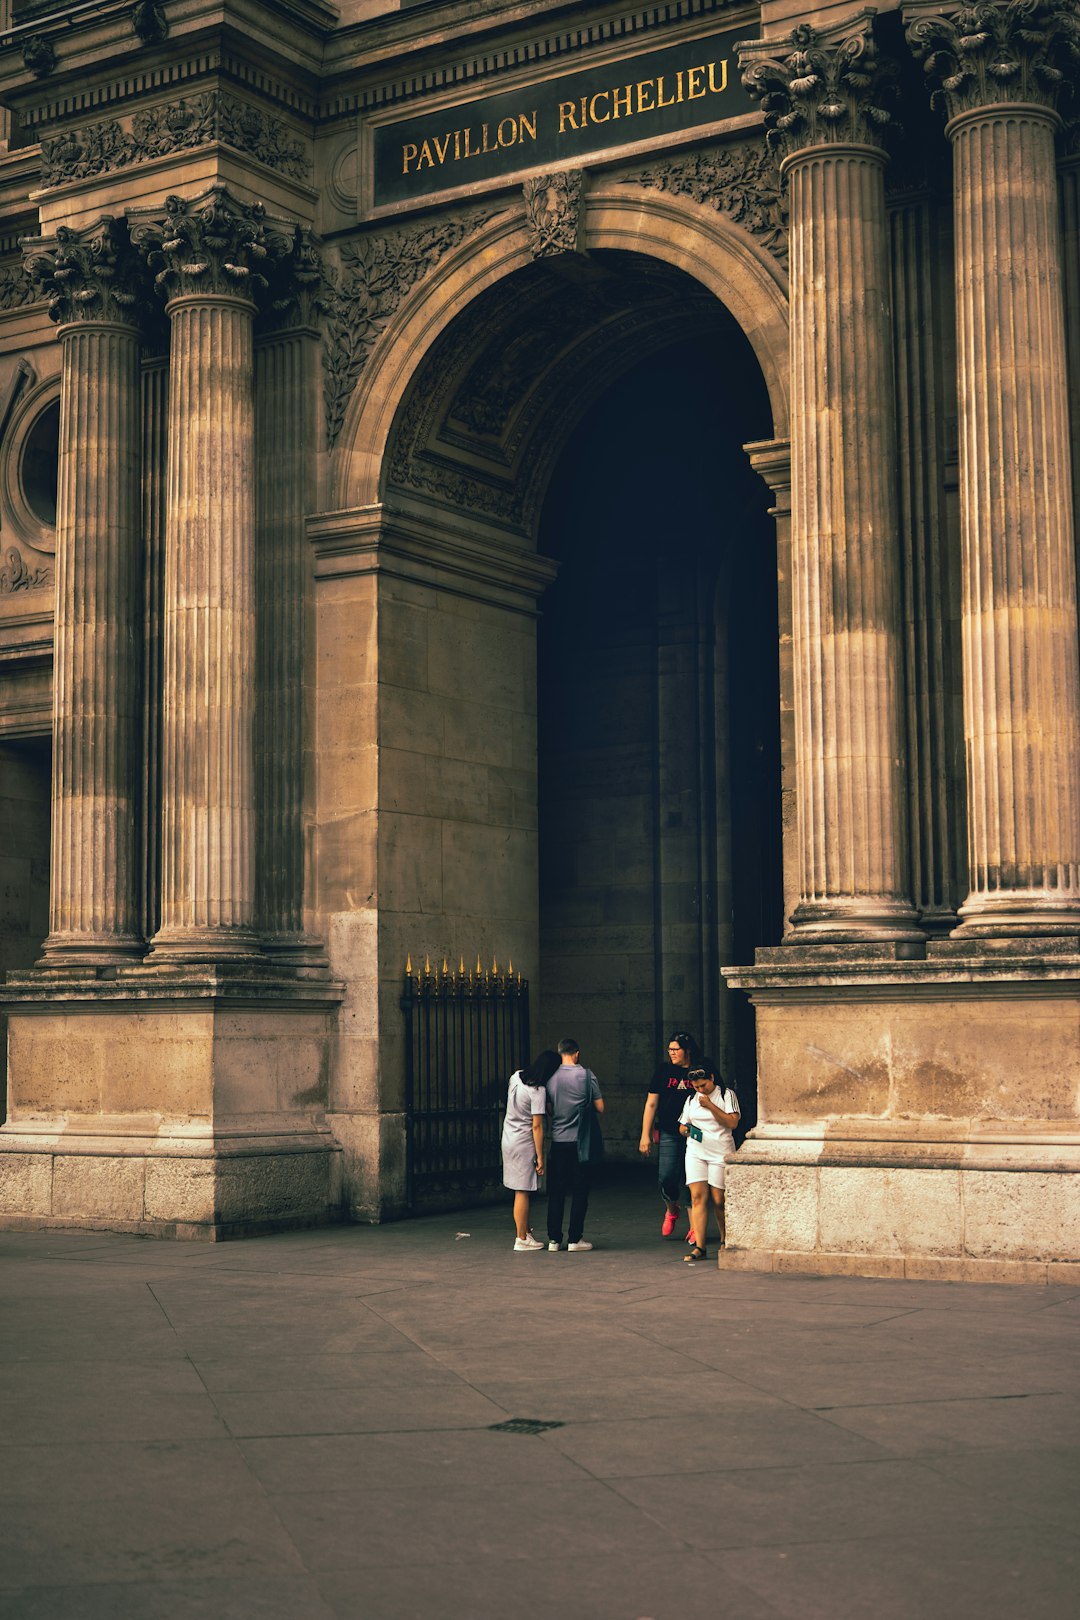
[[997, 52], [209, 245], [298, 285], [89, 275], [822, 86]]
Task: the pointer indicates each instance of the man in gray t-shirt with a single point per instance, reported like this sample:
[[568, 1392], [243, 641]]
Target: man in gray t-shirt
[[567, 1090]]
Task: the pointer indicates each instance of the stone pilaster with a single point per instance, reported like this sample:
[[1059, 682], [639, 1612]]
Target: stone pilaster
[[998, 68], [286, 394], [825, 96], [209, 256], [91, 280]]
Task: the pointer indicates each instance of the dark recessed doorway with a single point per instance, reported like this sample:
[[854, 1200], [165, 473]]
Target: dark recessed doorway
[[659, 794]]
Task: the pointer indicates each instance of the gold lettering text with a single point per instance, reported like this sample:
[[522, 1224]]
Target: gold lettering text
[[567, 116], [486, 147], [713, 86], [408, 155], [510, 139], [527, 124], [646, 88], [678, 85], [693, 80], [593, 114], [441, 147], [425, 157], [621, 99], [660, 102]]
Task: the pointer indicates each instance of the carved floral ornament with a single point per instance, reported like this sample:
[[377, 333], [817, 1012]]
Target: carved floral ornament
[[375, 273], [212, 244], [738, 181], [997, 51], [173, 126], [86, 275], [553, 212], [823, 87]]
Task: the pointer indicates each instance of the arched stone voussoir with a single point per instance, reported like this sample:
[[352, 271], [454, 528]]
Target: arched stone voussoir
[[686, 235]]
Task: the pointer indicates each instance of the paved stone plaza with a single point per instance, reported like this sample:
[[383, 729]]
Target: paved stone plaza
[[299, 1427]]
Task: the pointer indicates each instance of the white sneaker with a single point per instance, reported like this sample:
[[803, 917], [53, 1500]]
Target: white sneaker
[[529, 1242], [554, 1247], [578, 1248]]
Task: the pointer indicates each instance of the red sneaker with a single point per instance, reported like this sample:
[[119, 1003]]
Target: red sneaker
[[670, 1220]]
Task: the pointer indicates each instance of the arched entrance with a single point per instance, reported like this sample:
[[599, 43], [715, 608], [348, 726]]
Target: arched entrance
[[658, 719], [499, 385]]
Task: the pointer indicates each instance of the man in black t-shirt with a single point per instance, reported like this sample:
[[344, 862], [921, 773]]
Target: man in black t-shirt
[[668, 1090]]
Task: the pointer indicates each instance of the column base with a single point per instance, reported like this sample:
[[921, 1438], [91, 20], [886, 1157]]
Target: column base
[[176, 1102], [849, 921], [207, 945], [91, 950], [1022, 913], [917, 1117]]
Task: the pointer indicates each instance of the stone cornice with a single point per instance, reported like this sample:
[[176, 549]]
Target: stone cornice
[[997, 52], [408, 50], [90, 275], [822, 87], [212, 244]]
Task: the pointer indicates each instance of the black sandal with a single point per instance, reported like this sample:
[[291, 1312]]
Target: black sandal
[[696, 1253]]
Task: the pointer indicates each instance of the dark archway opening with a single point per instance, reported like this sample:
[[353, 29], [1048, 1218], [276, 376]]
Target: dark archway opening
[[659, 747]]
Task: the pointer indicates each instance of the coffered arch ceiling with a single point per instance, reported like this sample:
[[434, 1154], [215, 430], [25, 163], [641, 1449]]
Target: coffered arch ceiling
[[499, 394]]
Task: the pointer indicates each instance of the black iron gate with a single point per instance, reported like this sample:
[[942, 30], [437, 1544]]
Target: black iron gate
[[465, 1034]]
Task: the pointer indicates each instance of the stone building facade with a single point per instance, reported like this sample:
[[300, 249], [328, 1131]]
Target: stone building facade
[[591, 485]]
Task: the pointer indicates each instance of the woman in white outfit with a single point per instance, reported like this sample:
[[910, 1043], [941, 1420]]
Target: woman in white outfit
[[707, 1121], [523, 1140]]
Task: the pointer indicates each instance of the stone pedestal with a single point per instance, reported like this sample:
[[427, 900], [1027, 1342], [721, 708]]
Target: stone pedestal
[[177, 1103], [917, 1117]]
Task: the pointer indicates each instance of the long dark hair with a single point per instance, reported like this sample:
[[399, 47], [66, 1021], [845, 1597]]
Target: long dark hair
[[541, 1069]]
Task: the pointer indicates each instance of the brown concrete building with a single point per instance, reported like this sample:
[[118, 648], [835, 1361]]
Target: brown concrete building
[[587, 485]]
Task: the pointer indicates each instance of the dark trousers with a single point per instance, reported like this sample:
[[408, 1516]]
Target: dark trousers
[[565, 1175]]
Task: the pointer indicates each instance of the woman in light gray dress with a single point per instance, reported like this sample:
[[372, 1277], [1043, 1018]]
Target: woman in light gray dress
[[523, 1140]]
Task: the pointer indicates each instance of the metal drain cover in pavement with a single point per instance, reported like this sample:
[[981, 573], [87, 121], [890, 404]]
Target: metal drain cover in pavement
[[523, 1426]]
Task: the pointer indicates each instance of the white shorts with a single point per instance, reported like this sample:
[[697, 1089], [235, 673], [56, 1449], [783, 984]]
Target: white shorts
[[699, 1168]]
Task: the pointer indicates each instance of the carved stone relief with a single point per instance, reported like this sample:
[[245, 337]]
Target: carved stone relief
[[553, 212], [530, 344], [211, 244], [997, 51], [16, 576], [16, 288], [738, 181], [175, 126], [376, 271], [822, 86], [87, 275]]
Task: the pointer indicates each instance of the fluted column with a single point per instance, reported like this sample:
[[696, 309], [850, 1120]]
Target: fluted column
[[90, 278], [208, 255], [999, 80], [825, 99], [930, 557], [286, 392]]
